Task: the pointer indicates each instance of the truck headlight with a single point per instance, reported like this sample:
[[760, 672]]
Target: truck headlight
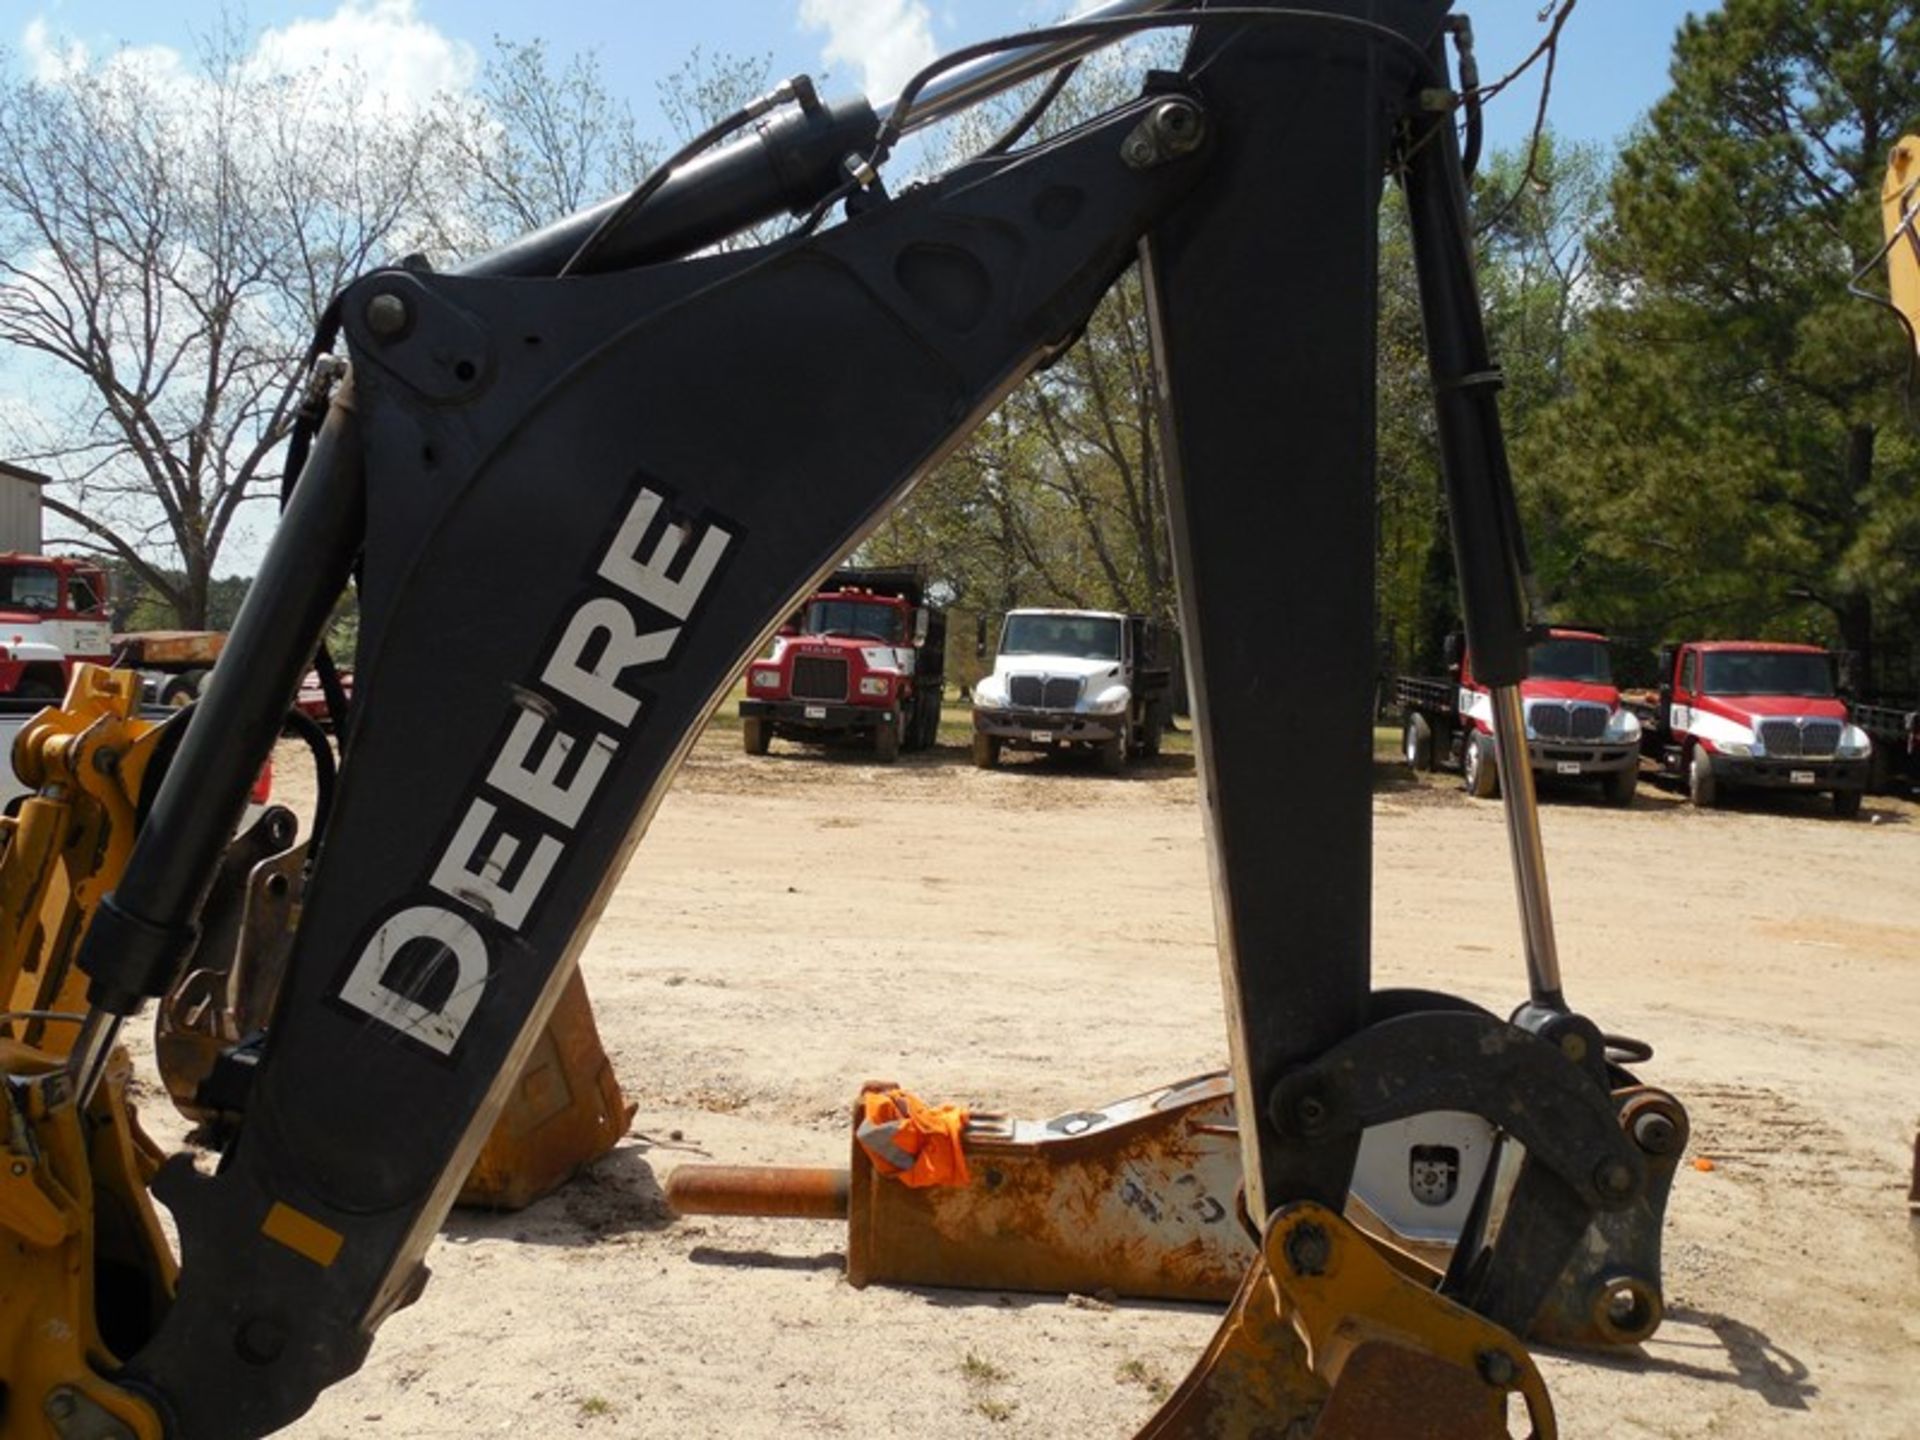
[[875, 684], [1739, 749], [1110, 702], [766, 680], [991, 692], [1855, 744], [1623, 726]]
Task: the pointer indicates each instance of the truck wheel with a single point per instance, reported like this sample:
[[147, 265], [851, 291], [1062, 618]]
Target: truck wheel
[[1702, 789], [1480, 772], [886, 738], [1618, 786], [1417, 743], [1880, 771], [754, 735], [1113, 753], [1154, 729], [986, 750], [183, 689], [1846, 803]]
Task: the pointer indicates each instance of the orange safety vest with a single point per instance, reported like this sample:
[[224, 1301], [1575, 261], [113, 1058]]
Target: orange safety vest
[[916, 1143]]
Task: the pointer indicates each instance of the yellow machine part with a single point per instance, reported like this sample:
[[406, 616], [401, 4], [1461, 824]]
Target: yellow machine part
[[1899, 209], [68, 844], [566, 1109], [74, 1205], [1335, 1336]]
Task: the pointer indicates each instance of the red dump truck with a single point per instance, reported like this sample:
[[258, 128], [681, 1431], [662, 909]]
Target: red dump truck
[[864, 659], [53, 613], [1576, 724], [1754, 715]]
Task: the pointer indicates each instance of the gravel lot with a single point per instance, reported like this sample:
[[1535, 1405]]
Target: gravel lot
[[754, 966]]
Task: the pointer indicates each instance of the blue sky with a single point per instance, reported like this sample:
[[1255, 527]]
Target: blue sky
[[1613, 62]]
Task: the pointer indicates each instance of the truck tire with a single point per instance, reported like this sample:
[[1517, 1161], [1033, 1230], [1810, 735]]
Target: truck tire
[[1114, 753], [1155, 727], [1479, 771], [1702, 789], [1846, 803], [1880, 771], [183, 689], [39, 687], [986, 750], [886, 738], [1618, 786], [754, 735], [1416, 743]]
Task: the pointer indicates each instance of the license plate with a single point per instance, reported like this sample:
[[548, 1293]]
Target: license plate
[[816, 712], [1567, 767], [1043, 737], [1800, 777]]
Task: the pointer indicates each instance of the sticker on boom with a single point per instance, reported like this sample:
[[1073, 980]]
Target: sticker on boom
[[606, 636]]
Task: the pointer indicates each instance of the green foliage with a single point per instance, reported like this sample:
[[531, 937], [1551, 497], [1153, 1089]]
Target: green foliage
[[1731, 455], [1534, 272], [1059, 498]]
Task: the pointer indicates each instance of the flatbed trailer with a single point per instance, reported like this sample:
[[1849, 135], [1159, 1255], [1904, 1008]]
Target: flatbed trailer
[[1896, 743]]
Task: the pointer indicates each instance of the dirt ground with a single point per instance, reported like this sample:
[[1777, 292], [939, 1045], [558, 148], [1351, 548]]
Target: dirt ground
[[796, 924]]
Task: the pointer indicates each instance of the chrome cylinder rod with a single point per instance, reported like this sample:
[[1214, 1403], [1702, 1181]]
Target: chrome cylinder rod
[[1522, 808], [967, 85]]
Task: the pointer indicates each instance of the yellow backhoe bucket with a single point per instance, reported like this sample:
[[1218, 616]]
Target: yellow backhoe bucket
[[566, 1110]]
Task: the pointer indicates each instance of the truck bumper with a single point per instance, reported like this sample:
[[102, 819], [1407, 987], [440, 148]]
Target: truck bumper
[[1747, 774], [1043, 729], [1553, 757], [799, 719]]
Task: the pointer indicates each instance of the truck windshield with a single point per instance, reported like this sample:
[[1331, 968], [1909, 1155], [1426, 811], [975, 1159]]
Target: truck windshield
[[29, 587], [1765, 672], [862, 619], [1085, 637], [1580, 660]]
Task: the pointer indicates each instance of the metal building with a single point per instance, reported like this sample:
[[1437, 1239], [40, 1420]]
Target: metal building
[[20, 508]]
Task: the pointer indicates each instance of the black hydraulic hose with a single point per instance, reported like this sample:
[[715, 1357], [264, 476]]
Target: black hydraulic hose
[[800, 88], [1119, 26], [1033, 114], [304, 728], [1461, 28], [339, 704], [147, 924]]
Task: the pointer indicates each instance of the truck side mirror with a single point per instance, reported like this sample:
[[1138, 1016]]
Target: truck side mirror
[[921, 619], [1450, 650], [980, 638]]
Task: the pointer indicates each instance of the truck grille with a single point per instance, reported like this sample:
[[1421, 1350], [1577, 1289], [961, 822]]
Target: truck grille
[[1032, 692], [1800, 739], [1567, 720], [816, 677]]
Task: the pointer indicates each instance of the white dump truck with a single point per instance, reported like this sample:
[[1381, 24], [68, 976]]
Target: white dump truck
[[1074, 680]]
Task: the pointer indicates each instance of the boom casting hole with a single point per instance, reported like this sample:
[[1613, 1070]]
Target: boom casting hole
[[464, 370], [1629, 1311]]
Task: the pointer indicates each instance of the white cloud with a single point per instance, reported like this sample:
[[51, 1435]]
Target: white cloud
[[50, 61], [378, 48], [887, 39], [402, 60]]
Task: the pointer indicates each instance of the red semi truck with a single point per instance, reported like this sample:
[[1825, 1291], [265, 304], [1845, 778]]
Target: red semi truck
[[1754, 715], [865, 657], [1576, 724]]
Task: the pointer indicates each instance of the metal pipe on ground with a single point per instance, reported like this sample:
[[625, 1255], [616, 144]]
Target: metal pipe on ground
[[782, 1192]]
